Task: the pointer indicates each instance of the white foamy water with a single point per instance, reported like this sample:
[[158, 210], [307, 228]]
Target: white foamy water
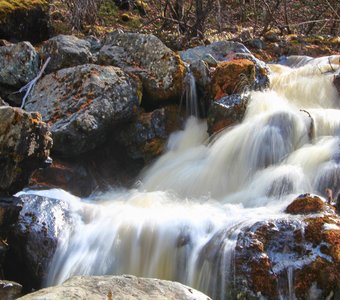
[[181, 223]]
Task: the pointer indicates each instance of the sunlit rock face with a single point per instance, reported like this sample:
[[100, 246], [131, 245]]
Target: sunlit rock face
[[82, 104], [118, 287], [25, 143], [160, 69]]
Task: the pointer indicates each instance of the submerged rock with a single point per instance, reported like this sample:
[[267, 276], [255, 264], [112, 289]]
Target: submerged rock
[[118, 287], [290, 257], [82, 104], [160, 69], [66, 51], [35, 236], [25, 144]]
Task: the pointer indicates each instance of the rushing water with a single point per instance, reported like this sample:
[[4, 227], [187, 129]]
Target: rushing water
[[182, 220]]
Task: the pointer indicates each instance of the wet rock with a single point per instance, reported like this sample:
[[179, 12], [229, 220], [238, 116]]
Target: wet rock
[[66, 51], [160, 69], [214, 83], [9, 212], [25, 143], [9, 290], [289, 257], [19, 64], [232, 77], [306, 204], [82, 104], [25, 21], [35, 236], [227, 111], [118, 287], [146, 137], [97, 170]]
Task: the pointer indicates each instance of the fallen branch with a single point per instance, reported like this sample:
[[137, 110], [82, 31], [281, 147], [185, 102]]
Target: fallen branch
[[29, 86]]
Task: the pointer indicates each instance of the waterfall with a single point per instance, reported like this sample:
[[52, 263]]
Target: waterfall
[[190, 94], [182, 221]]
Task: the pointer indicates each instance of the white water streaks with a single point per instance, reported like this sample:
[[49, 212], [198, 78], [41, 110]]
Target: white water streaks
[[183, 220]]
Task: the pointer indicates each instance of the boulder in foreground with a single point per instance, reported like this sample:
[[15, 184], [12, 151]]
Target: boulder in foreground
[[117, 287]]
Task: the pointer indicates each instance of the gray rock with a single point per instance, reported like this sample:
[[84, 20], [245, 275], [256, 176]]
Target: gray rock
[[218, 50], [227, 111], [66, 51], [160, 69], [82, 103], [19, 64], [146, 137], [35, 236], [9, 290], [117, 287], [25, 142]]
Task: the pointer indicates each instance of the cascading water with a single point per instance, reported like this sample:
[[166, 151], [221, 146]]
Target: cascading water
[[190, 94], [182, 221]]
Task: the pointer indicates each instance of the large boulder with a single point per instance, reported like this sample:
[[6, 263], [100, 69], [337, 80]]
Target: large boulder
[[22, 20], [83, 103], [160, 69], [66, 51], [34, 238], [19, 64], [117, 287], [292, 257], [25, 143]]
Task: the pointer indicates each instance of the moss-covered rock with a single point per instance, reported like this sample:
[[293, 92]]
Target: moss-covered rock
[[160, 69], [24, 20]]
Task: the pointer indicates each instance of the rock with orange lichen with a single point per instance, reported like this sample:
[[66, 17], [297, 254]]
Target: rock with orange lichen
[[296, 256], [160, 69], [306, 204], [25, 144], [232, 77], [83, 105]]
